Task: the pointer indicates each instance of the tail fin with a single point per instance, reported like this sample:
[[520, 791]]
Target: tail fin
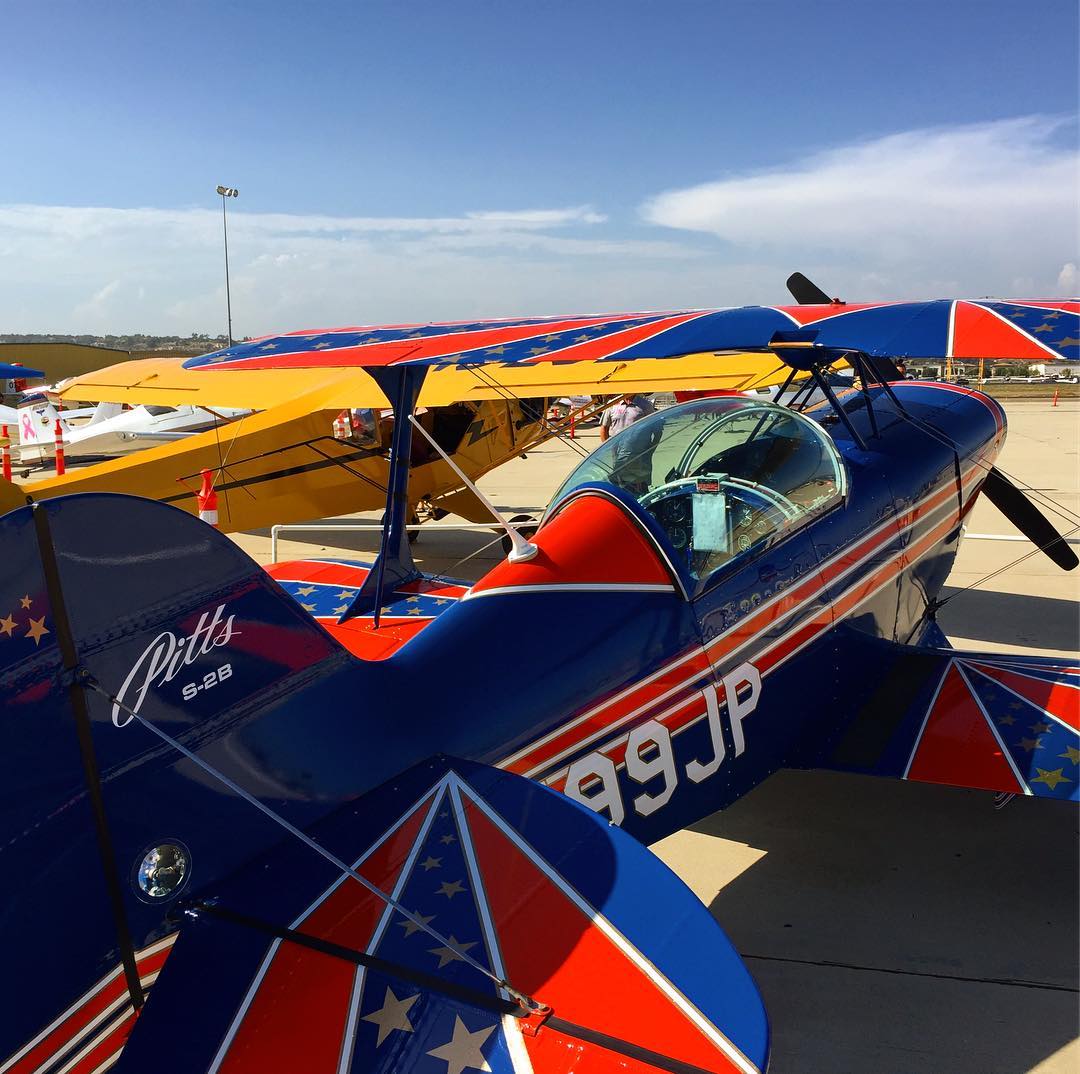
[[37, 425], [183, 628], [938, 715]]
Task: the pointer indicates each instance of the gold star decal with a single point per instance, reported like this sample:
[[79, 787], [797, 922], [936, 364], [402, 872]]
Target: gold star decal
[[320, 346], [539, 350], [341, 609], [1016, 706], [305, 591], [496, 350], [412, 600], [1053, 316], [1007, 721], [346, 594], [450, 888], [1070, 341], [1045, 328], [25, 601], [1071, 754], [411, 926], [582, 339], [1051, 779], [38, 630], [1030, 744], [7, 626], [393, 1014], [446, 840], [269, 347], [1040, 728], [441, 600], [548, 339], [448, 954], [308, 607], [430, 863], [463, 1049]]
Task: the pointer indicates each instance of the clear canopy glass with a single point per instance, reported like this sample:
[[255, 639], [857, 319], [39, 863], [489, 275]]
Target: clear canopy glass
[[722, 476]]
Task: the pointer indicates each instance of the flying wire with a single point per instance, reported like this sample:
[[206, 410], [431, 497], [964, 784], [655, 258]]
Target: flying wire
[[1008, 566]]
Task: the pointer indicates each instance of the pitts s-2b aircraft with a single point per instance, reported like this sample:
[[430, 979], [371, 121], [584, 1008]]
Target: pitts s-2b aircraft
[[238, 837]]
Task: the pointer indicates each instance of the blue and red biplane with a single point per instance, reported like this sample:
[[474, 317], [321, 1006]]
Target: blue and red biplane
[[252, 843]]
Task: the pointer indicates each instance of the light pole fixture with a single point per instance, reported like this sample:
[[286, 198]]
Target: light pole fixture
[[227, 192]]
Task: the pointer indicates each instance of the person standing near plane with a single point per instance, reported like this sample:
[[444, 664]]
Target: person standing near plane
[[623, 414], [632, 459]]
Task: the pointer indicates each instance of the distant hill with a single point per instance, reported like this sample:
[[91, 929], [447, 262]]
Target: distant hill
[[138, 345]]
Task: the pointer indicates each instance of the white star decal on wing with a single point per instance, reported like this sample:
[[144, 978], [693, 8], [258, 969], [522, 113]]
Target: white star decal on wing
[[463, 1049], [393, 1014]]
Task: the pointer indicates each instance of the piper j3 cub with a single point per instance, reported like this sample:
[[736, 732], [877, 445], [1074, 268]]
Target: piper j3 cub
[[256, 845]]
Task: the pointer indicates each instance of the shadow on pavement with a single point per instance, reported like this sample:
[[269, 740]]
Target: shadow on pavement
[[1012, 618], [951, 929]]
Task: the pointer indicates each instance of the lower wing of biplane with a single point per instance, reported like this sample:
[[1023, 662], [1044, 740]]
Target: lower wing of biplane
[[933, 714], [243, 871]]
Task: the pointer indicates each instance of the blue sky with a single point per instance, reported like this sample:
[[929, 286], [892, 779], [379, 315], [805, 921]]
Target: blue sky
[[641, 123]]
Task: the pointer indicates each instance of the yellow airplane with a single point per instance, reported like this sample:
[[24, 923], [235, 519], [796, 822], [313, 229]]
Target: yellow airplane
[[284, 464]]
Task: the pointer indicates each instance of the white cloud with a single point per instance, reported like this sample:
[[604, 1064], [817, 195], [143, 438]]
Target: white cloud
[[971, 208], [977, 210], [69, 269]]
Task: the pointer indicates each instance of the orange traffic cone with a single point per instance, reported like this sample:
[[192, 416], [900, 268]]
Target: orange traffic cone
[[59, 435], [1054, 403], [207, 499], [5, 452], [341, 426]]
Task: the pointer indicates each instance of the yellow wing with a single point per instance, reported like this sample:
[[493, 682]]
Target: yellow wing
[[165, 382]]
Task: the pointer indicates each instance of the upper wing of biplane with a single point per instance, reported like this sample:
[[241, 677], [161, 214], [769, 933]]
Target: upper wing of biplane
[[606, 354]]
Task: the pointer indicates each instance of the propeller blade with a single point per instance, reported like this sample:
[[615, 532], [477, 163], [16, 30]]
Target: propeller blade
[[1028, 519], [806, 292]]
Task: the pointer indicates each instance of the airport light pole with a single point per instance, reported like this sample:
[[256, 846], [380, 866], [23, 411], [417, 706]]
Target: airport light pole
[[227, 192]]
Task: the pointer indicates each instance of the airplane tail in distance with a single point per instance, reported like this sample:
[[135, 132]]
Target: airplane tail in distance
[[990, 721], [37, 427]]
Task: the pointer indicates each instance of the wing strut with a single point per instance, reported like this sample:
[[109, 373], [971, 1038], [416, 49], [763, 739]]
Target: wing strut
[[522, 549], [394, 565]]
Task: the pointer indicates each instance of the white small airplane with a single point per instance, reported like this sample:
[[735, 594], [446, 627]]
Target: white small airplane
[[107, 429]]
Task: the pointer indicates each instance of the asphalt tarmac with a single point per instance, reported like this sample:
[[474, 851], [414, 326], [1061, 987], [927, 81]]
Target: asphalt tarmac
[[892, 927]]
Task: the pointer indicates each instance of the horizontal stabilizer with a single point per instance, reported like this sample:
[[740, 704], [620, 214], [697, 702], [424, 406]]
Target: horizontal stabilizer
[[503, 890]]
